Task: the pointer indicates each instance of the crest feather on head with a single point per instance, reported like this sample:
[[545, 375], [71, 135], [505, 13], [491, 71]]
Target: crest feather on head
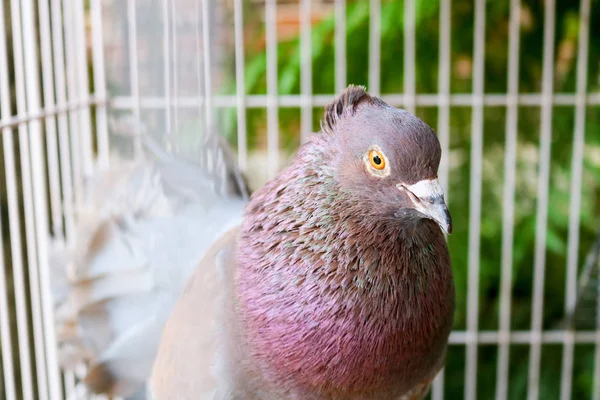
[[345, 105]]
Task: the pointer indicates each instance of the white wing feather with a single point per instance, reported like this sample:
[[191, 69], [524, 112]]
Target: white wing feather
[[142, 230]]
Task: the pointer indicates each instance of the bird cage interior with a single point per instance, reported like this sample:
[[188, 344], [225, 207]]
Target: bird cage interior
[[136, 132]]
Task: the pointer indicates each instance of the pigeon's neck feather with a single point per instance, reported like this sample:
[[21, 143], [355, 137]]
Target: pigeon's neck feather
[[332, 300]]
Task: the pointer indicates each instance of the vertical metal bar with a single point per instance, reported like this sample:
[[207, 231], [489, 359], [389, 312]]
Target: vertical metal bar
[[475, 200], [575, 203], [133, 73], [15, 241], [207, 68], [542, 206], [375, 47], [51, 133], [444, 91], [5, 336], [99, 82], [63, 121], [83, 86], [306, 69], [74, 117], [5, 326], [48, 82], [17, 262], [175, 103], [199, 60], [409, 55], [79, 122], [340, 45], [167, 66], [63, 138], [240, 85], [30, 237], [508, 199], [32, 85], [272, 112], [437, 392]]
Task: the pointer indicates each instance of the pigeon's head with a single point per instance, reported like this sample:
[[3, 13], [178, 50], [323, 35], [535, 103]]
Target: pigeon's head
[[385, 158]]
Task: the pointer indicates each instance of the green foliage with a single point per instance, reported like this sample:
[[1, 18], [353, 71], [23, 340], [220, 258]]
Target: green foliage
[[493, 168]]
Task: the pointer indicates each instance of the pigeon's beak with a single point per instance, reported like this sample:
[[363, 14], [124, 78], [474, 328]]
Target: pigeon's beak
[[427, 197]]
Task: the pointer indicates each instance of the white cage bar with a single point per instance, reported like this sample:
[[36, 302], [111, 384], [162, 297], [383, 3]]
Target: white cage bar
[[475, 200], [542, 206], [30, 236], [443, 130], [374, 48], [272, 106], [340, 45], [45, 180], [575, 204], [510, 164], [17, 265]]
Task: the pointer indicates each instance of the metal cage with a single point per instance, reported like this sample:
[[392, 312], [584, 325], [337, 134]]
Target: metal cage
[[74, 72]]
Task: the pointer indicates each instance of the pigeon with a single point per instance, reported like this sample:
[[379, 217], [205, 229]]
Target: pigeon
[[336, 284], [143, 227]]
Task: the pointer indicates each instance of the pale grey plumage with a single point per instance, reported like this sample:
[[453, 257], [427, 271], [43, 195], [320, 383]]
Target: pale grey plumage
[[140, 232], [202, 330]]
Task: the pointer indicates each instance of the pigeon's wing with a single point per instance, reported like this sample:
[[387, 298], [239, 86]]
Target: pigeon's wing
[[193, 356], [143, 229]]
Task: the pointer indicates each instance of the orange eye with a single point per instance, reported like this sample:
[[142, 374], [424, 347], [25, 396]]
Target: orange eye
[[376, 159]]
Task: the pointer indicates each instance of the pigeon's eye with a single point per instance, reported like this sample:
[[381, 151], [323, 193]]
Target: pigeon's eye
[[377, 160]]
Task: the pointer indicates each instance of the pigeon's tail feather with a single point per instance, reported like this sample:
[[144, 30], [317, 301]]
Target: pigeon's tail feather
[[218, 167], [113, 373], [100, 380], [143, 227]]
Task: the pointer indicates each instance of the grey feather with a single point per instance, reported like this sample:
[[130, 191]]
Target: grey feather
[[206, 303], [141, 231]]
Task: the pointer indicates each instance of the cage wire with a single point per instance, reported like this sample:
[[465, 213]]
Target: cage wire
[[78, 79]]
